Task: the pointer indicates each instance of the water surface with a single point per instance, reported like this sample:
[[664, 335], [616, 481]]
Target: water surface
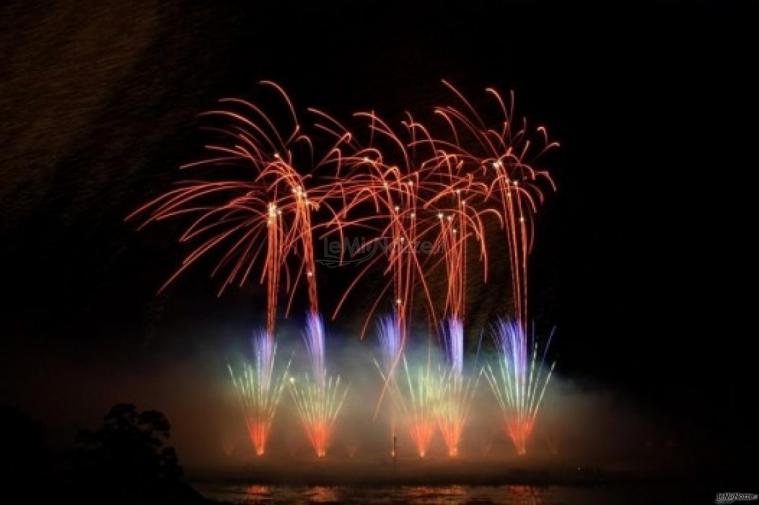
[[444, 495]]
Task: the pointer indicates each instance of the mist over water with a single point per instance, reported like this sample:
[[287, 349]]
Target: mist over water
[[588, 442], [575, 424], [585, 424], [580, 429]]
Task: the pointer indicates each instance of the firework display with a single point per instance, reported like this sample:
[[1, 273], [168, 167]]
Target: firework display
[[416, 395], [259, 390], [501, 157], [519, 380], [455, 390], [389, 336], [391, 348], [381, 188], [257, 213], [435, 202], [318, 397], [452, 409], [420, 407]]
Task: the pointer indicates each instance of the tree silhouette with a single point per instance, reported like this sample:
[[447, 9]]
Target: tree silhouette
[[126, 460]]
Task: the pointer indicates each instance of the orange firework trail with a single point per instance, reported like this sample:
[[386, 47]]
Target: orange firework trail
[[501, 157], [406, 194], [428, 191], [496, 163], [262, 215], [381, 191], [459, 204], [460, 208]]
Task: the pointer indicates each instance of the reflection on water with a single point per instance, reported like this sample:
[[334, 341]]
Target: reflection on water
[[525, 494], [322, 494], [257, 494], [424, 495], [434, 494]]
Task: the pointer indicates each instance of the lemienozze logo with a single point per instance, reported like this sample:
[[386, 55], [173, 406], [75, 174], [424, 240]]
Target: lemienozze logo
[[725, 498], [357, 250]]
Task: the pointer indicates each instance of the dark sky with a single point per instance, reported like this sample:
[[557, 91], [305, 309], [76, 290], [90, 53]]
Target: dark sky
[[642, 258]]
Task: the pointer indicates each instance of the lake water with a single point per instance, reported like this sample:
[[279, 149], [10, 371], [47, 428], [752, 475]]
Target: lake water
[[444, 495]]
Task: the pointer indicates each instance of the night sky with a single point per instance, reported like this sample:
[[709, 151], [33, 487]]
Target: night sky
[[642, 260]]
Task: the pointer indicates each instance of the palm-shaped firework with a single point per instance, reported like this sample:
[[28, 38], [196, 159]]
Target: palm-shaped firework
[[252, 207]]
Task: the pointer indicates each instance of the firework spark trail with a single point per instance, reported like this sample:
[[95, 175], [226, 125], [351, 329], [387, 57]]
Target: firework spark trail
[[455, 393], [461, 208], [501, 157], [263, 214], [320, 397], [416, 398], [259, 390], [398, 173], [459, 225], [313, 337], [383, 184], [382, 191], [389, 337], [318, 406], [520, 381], [453, 344]]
